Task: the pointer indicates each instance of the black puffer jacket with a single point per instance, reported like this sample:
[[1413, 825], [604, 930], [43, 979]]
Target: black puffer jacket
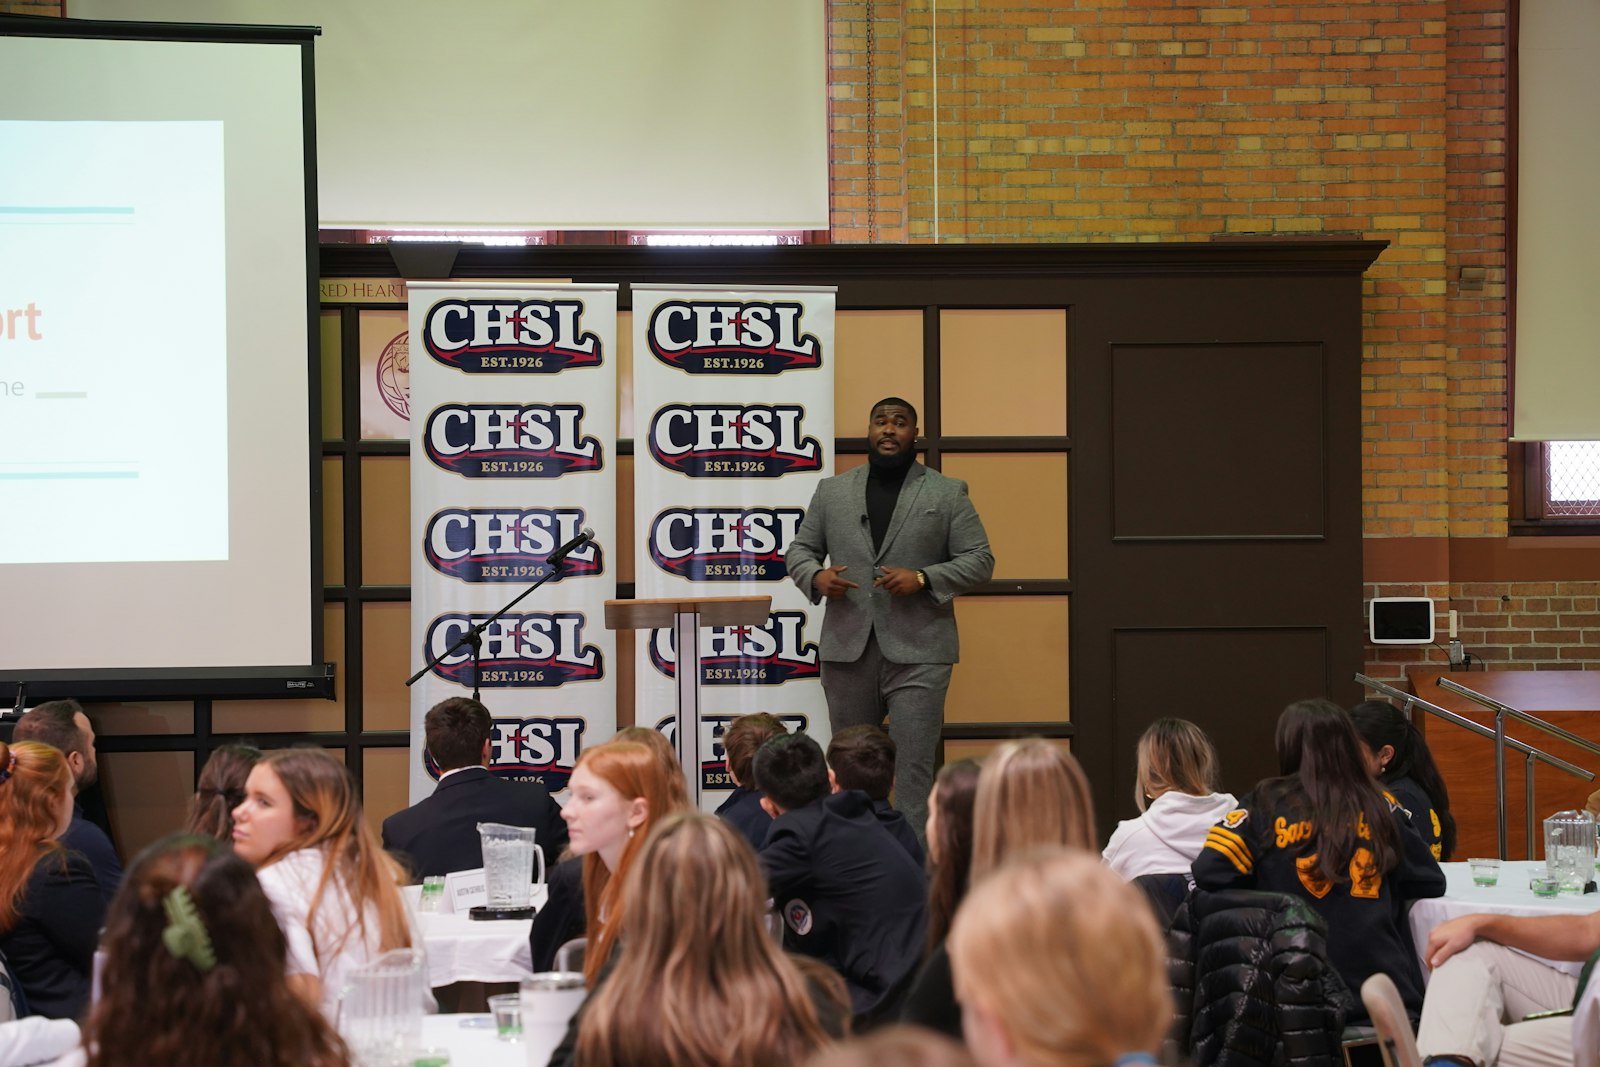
[[1253, 984]]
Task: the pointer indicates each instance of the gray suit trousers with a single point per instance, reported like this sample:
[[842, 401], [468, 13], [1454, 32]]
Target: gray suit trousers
[[861, 692]]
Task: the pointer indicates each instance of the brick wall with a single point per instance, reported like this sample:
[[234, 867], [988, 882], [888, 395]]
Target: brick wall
[[1129, 120], [1503, 625]]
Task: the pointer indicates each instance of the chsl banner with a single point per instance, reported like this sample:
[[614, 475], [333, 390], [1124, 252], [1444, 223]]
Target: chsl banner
[[733, 429], [513, 432]]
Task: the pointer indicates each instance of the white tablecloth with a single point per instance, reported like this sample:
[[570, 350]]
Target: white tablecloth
[[1510, 897], [461, 949], [476, 1045]]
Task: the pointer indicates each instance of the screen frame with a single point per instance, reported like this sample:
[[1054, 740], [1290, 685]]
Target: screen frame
[[312, 679], [1391, 604]]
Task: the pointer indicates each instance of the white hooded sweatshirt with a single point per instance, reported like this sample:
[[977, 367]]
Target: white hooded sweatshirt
[[1168, 836]]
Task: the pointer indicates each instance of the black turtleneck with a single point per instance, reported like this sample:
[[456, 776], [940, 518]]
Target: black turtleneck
[[884, 479]]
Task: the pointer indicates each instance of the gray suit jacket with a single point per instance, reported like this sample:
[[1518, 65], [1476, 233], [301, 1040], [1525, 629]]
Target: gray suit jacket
[[935, 529]]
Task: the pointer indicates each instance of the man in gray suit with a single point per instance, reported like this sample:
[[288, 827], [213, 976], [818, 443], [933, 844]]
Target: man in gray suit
[[902, 542]]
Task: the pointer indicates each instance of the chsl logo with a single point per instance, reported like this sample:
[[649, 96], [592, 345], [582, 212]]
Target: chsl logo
[[724, 544], [531, 750], [746, 655], [531, 650], [510, 440], [732, 337], [733, 440], [507, 545], [510, 336], [713, 757]]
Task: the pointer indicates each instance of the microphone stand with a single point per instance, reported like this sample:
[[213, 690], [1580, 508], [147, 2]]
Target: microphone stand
[[473, 638]]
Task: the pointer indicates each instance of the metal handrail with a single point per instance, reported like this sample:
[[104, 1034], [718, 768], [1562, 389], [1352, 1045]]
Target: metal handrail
[[1532, 720], [1502, 742]]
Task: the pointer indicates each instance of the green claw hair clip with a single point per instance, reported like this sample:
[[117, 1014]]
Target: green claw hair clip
[[185, 935]]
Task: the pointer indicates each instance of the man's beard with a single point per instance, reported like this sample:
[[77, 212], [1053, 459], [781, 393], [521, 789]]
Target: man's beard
[[893, 464]]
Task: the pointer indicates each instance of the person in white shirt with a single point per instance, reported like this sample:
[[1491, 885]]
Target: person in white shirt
[[1177, 798], [335, 891], [193, 972]]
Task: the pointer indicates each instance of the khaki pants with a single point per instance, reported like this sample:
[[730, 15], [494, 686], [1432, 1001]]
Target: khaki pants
[[1476, 1003]]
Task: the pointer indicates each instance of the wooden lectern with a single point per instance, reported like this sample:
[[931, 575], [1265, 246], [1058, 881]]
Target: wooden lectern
[[685, 616]]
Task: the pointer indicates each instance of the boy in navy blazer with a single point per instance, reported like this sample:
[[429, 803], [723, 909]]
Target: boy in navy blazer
[[848, 893], [439, 834]]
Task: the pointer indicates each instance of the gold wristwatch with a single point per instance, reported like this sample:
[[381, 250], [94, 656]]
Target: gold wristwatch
[[922, 580]]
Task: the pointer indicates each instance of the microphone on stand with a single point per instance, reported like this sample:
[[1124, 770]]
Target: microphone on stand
[[560, 555]]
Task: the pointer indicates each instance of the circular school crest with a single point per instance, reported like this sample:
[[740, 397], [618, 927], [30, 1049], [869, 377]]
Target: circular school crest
[[797, 913], [394, 374]]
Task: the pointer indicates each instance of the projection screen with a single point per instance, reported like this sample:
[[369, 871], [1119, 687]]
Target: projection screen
[[159, 468]]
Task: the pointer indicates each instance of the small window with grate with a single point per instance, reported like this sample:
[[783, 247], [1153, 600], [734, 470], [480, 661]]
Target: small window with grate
[[1560, 487]]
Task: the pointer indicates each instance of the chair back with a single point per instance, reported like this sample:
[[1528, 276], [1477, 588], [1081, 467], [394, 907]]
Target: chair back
[[1389, 1018], [570, 956]]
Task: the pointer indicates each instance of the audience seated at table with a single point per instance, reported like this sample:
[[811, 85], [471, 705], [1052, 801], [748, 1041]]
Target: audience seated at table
[[194, 971], [895, 1046], [618, 790], [439, 834], [1058, 961], [62, 725], [1486, 982], [1031, 794], [1175, 788], [849, 894], [697, 979], [334, 890], [51, 907], [862, 757], [1325, 832], [1398, 756], [743, 809], [221, 789]]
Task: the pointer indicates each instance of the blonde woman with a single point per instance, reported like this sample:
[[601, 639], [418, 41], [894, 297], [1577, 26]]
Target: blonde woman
[[1178, 802], [1031, 794], [697, 980], [336, 893], [1058, 964]]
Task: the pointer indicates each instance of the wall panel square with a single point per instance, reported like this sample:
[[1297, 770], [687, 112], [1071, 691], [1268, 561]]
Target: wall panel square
[[1003, 372], [148, 794], [876, 354], [332, 520], [138, 719], [385, 520], [385, 784], [387, 663], [1022, 500], [331, 332], [624, 358], [1013, 660]]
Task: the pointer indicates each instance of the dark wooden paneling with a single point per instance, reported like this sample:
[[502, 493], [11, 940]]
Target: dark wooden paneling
[[1231, 682], [1204, 434]]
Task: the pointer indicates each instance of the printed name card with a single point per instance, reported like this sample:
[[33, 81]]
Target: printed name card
[[464, 890]]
